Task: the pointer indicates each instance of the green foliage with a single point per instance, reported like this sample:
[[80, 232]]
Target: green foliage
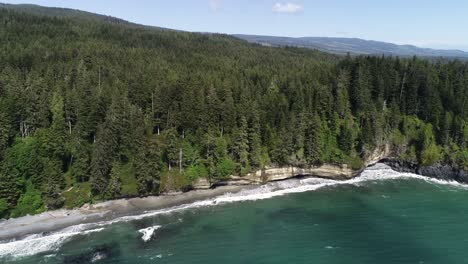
[[241, 147], [101, 161], [30, 202], [429, 152], [148, 167], [124, 110], [225, 168], [5, 129], [313, 141], [196, 171], [3, 207], [174, 181], [354, 162], [54, 184], [397, 138], [77, 195], [129, 182], [114, 188], [430, 155], [346, 139]]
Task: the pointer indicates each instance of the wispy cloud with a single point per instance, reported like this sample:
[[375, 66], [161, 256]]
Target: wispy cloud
[[289, 7], [215, 5]]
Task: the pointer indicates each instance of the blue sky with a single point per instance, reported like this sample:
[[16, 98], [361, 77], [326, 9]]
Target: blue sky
[[426, 23]]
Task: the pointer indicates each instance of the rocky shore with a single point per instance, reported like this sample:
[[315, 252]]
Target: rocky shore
[[438, 171]]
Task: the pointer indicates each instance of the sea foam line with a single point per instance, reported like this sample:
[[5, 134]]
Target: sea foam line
[[35, 244]]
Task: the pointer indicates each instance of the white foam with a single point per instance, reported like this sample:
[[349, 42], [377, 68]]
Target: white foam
[[98, 256], [35, 244], [148, 232]]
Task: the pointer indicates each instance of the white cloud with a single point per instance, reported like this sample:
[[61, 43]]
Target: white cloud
[[215, 5], [291, 8]]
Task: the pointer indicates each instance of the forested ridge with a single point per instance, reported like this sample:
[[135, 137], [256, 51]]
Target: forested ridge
[[93, 110]]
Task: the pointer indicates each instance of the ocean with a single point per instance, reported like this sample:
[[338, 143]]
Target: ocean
[[380, 217]]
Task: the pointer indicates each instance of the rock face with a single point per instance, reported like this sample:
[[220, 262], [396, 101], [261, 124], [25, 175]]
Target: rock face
[[201, 184], [270, 174], [438, 171], [378, 154], [340, 172], [324, 171]]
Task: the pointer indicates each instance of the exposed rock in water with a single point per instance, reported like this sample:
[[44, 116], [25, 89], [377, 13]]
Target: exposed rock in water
[[438, 171]]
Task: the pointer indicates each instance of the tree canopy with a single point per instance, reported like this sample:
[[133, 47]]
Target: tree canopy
[[99, 110]]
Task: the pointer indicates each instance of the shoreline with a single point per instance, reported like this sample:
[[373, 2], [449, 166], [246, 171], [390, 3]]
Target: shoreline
[[56, 220], [51, 221]]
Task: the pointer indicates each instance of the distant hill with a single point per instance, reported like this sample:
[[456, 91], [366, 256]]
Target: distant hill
[[353, 45], [333, 45], [70, 13], [60, 12]]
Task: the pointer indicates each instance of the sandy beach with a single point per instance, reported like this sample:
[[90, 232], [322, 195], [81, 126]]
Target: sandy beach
[[55, 220]]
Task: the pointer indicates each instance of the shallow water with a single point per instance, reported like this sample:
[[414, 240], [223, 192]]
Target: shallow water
[[381, 217]]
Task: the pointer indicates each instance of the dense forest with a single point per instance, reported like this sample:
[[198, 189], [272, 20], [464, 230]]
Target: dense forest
[[93, 110]]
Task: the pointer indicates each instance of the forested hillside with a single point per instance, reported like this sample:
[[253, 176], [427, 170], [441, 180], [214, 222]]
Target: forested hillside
[[92, 110]]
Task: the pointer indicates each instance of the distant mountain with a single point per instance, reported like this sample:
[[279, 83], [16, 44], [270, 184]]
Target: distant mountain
[[353, 45]]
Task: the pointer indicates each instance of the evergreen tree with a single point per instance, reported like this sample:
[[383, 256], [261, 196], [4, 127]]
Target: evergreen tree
[[101, 161], [255, 143], [346, 139], [114, 188], [241, 146], [313, 140], [147, 167]]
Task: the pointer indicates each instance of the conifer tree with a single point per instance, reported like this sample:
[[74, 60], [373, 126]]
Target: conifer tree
[[241, 145], [313, 140]]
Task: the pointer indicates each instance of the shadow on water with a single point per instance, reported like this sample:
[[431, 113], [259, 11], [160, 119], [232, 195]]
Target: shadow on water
[[106, 253]]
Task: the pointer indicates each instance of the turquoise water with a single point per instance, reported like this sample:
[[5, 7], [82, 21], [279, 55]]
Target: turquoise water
[[399, 220]]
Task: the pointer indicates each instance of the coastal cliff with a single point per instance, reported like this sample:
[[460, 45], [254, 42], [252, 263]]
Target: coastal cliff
[[384, 154], [270, 174]]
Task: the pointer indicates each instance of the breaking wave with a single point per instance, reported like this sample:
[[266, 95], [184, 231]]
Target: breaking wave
[[148, 232], [38, 243]]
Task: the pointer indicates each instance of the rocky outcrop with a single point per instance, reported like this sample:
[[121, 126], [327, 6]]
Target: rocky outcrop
[[378, 154], [338, 172], [201, 184], [323, 171], [271, 174], [382, 153], [438, 171]]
